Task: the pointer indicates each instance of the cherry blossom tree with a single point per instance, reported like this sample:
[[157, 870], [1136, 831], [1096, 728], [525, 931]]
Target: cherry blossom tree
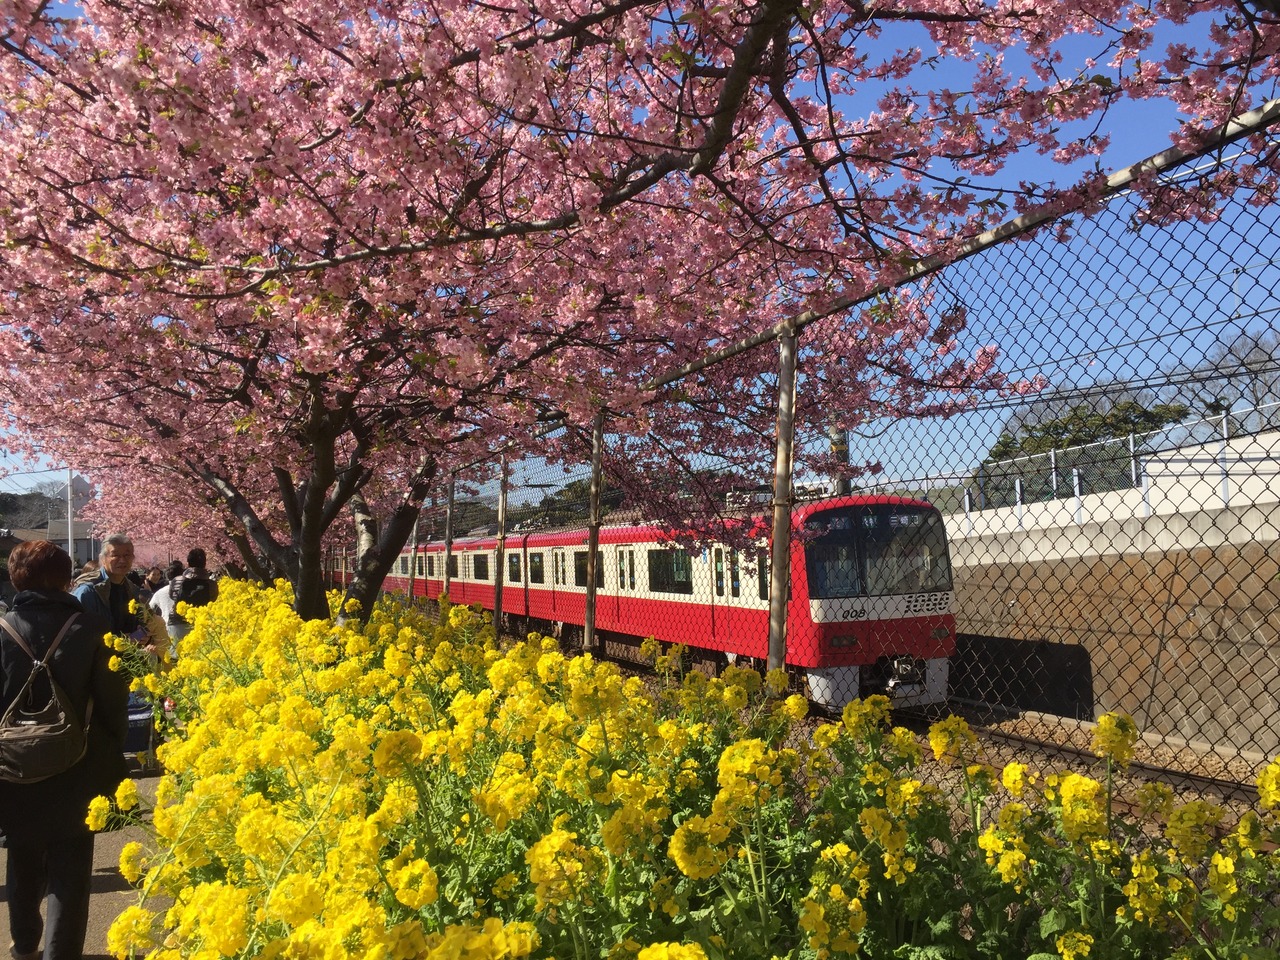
[[304, 258]]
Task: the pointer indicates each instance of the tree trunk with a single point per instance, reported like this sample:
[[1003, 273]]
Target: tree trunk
[[377, 550]]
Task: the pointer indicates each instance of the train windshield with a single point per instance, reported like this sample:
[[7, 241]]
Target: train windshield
[[877, 550]]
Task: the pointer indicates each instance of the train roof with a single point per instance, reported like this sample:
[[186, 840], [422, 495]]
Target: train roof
[[627, 532]]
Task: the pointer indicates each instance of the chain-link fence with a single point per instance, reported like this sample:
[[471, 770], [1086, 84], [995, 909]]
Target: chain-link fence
[[1100, 533]]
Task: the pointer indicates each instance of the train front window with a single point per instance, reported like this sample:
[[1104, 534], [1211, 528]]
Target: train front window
[[833, 570], [876, 550], [831, 557], [906, 551]]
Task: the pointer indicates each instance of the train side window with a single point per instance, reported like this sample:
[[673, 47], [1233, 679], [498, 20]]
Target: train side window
[[762, 564], [453, 566], [670, 571], [631, 568], [735, 575], [420, 566], [480, 566], [404, 566], [536, 574], [622, 571], [431, 566], [580, 568], [719, 567], [513, 568]]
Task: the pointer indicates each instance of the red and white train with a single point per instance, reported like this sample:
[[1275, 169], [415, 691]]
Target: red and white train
[[870, 608]]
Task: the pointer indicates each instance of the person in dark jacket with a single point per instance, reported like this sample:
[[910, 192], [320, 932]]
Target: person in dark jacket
[[50, 845]]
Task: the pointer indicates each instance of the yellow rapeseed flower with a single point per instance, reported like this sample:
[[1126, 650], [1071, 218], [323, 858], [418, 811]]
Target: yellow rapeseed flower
[[1114, 738], [1269, 786], [1190, 828], [99, 810], [1014, 777], [127, 794], [824, 735], [1084, 815], [1074, 944], [558, 865], [776, 682], [695, 848], [132, 861], [672, 951], [415, 884], [864, 717], [398, 750], [951, 739], [795, 707], [131, 933]]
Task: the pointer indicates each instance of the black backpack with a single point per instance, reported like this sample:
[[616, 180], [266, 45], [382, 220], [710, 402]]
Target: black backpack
[[40, 740], [192, 588]]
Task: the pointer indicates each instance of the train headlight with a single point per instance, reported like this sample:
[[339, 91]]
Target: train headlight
[[941, 633]]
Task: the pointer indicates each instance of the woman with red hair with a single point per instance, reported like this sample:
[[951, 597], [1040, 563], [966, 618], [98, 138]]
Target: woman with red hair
[[50, 845]]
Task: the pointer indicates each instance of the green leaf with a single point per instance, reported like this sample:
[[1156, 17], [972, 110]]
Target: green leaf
[[940, 926], [1052, 922], [930, 952]]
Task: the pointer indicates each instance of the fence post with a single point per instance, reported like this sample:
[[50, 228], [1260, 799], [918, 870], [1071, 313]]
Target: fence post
[[593, 530], [71, 519], [500, 554], [1222, 461], [1053, 472], [1133, 461], [413, 554], [968, 506], [1146, 492], [839, 438], [448, 533], [1075, 485], [1017, 498], [780, 544]]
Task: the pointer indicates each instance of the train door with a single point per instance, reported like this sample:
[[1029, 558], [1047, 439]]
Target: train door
[[624, 567], [559, 580], [719, 588]]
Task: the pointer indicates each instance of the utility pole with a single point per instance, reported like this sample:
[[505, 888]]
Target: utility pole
[[780, 543], [589, 640], [71, 521]]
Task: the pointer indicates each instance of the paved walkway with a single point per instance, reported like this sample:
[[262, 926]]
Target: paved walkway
[[110, 892]]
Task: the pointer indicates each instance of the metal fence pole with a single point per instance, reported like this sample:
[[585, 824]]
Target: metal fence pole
[[1133, 461], [1017, 498], [500, 554], [780, 546], [1075, 485], [593, 531], [71, 519], [413, 552], [1222, 461], [1053, 472], [448, 534], [839, 438]]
